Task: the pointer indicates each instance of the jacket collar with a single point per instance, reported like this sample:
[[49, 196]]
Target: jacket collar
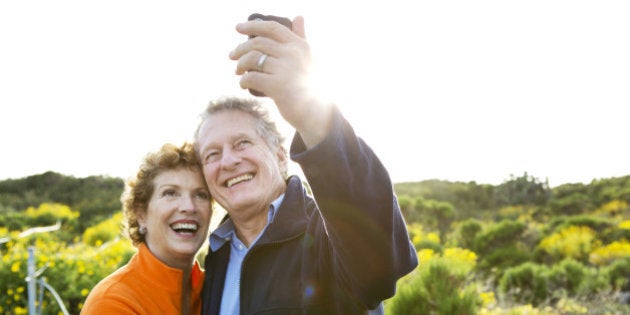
[[291, 218]]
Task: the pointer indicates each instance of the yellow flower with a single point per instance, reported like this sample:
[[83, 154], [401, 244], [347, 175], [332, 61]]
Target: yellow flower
[[461, 254], [573, 242], [424, 255], [434, 237], [571, 307], [606, 254], [417, 239], [487, 298], [20, 310], [85, 292], [15, 267]]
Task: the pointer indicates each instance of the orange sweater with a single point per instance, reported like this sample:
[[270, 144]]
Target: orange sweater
[[145, 285]]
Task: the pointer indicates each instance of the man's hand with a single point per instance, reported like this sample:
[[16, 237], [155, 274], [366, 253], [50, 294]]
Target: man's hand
[[283, 75]]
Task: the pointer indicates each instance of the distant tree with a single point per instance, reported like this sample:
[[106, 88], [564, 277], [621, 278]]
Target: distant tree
[[523, 190], [435, 214], [470, 199], [406, 207], [605, 190], [95, 197]]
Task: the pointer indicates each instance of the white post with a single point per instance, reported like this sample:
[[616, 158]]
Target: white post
[[31, 281]]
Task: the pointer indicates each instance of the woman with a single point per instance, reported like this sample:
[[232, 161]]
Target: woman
[[167, 209]]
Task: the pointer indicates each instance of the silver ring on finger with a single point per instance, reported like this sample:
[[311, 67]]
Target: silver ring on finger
[[261, 62]]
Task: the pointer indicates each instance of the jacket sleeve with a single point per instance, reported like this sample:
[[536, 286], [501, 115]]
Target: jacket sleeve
[[363, 223]]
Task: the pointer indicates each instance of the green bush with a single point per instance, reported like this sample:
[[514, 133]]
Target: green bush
[[619, 273], [499, 247], [71, 270], [502, 258], [428, 244], [467, 232], [441, 285], [498, 235], [526, 284], [576, 275], [535, 284], [569, 276]]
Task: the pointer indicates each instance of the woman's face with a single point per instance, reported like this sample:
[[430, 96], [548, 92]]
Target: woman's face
[[177, 217]]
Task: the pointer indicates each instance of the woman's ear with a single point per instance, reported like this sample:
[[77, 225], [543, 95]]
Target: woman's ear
[[141, 217]]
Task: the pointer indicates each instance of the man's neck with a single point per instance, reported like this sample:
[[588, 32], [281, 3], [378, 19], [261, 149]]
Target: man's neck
[[249, 230]]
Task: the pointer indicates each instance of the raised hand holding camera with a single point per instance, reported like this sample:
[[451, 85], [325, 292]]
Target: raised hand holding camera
[[276, 61], [263, 57]]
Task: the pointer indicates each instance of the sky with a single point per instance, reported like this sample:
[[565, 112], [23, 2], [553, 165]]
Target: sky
[[451, 90]]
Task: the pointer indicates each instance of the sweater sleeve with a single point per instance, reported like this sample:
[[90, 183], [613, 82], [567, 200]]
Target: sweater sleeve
[[363, 223]]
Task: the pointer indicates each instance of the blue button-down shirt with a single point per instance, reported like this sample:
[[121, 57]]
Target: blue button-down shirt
[[230, 302]]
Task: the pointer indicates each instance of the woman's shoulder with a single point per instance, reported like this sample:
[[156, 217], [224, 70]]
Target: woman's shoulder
[[116, 292]]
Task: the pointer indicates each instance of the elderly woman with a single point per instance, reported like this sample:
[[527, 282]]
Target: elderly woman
[[167, 209]]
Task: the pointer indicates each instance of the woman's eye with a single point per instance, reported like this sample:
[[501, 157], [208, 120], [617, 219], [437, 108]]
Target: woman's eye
[[203, 195], [169, 193]]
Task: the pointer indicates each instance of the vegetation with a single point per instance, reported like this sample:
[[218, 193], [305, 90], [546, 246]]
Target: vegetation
[[527, 248], [521, 247]]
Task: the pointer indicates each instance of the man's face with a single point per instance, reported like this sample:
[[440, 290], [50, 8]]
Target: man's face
[[243, 173]]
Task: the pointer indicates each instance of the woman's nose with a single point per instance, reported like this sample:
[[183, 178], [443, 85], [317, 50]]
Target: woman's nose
[[187, 203]]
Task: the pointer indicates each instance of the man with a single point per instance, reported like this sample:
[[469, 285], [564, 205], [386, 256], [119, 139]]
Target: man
[[280, 251]]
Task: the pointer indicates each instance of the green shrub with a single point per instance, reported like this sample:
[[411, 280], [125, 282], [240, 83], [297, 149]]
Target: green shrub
[[429, 244], [467, 232], [498, 235], [537, 284], [569, 275], [499, 247], [71, 270], [502, 258], [619, 273], [526, 283], [438, 286]]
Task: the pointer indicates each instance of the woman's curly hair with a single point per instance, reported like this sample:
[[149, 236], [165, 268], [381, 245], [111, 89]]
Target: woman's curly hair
[[138, 189]]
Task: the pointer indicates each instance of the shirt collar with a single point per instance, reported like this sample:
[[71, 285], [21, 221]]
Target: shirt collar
[[226, 231]]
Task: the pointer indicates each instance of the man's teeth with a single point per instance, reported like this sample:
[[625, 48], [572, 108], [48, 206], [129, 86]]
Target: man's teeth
[[184, 227], [239, 179]]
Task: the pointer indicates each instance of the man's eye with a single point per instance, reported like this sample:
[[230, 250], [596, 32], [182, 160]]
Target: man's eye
[[243, 144], [212, 156]]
